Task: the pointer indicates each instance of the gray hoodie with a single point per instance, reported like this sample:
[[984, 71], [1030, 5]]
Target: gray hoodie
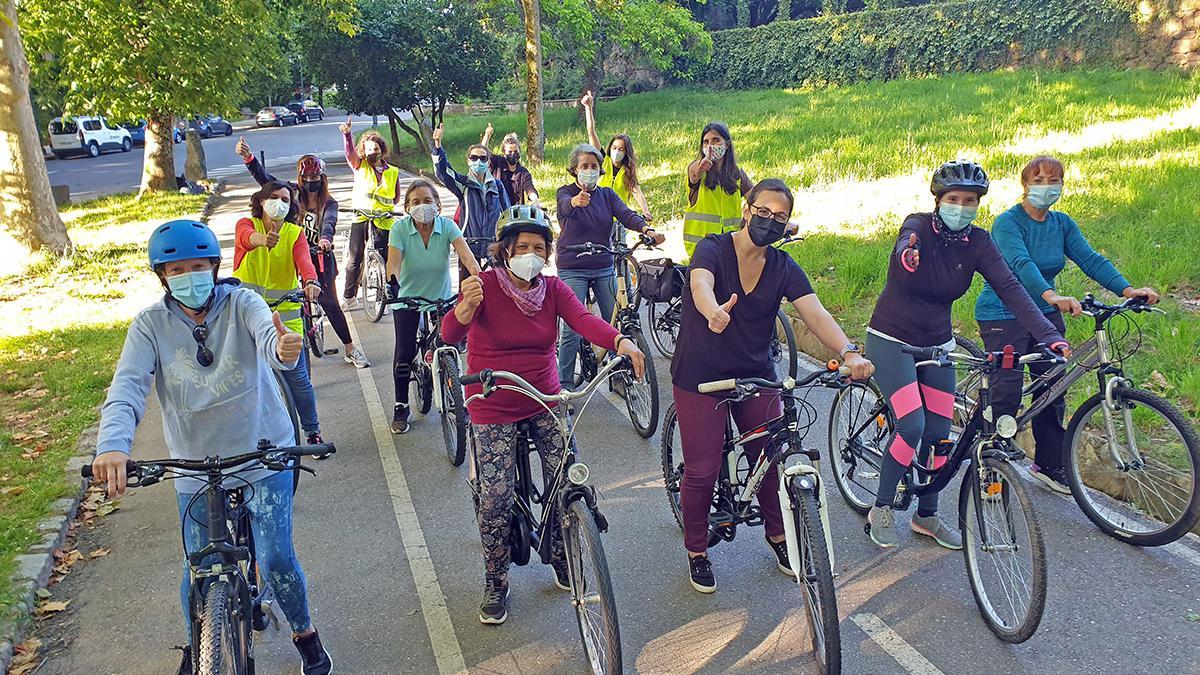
[[221, 410]]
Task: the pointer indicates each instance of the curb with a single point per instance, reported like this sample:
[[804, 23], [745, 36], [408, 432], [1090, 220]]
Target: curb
[[210, 204], [34, 566]]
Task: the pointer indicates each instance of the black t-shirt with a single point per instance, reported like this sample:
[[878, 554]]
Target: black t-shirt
[[517, 182], [743, 349]]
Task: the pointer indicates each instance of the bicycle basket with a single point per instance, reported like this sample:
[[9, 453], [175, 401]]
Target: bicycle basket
[[660, 280]]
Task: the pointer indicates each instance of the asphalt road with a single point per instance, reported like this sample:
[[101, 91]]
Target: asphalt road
[[115, 172], [387, 538]]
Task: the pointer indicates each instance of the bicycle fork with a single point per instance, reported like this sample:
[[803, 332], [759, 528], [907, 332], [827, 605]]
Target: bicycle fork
[[808, 479]]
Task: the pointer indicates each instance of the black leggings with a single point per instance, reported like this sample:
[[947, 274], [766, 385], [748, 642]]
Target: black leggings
[[356, 251], [327, 276], [405, 322]]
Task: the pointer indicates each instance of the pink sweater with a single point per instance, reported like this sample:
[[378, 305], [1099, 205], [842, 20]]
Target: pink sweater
[[500, 337]]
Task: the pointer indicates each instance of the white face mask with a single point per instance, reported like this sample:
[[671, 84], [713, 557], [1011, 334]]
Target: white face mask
[[618, 156], [276, 209], [589, 177], [423, 213], [527, 265]]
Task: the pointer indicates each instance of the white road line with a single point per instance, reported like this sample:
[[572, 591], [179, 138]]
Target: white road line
[[442, 638], [891, 642]]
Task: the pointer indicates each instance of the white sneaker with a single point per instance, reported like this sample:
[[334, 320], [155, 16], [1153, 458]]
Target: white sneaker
[[351, 304], [357, 358]]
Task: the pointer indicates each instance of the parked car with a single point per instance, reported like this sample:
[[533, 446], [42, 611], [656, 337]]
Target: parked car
[[210, 125], [87, 135], [137, 131], [276, 116], [307, 111]]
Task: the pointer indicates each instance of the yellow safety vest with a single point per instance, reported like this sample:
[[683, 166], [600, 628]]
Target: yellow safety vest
[[615, 180], [714, 212], [271, 272], [373, 194]]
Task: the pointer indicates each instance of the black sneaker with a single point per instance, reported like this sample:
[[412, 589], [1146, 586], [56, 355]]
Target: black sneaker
[[702, 574], [400, 419], [1053, 478], [781, 557], [313, 657], [494, 609], [562, 575], [314, 438], [185, 665]]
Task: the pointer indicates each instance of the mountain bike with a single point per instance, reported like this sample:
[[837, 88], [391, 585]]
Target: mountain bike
[[801, 492], [436, 373], [1132, 458], [316, 335], [374, 275], [641, 396], [1002, 538], [227, 598], [568, 504]]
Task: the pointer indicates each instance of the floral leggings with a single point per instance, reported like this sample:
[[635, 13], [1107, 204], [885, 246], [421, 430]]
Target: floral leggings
[[496, 453]]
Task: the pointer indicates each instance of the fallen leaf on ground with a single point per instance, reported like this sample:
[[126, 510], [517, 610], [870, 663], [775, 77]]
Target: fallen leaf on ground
[[25, 658], [52, 607], [99, 553], [14, 490], [42, 594]]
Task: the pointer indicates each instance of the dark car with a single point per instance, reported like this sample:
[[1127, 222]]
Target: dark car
[[137, 131], [306, 111], [210, 125], [275, 116]]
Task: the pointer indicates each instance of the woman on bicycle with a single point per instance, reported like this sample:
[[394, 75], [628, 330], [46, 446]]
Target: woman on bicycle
[[481, 196], [619, 170], [209, 347], [418, 265], [932, 264], [726, 332], [510, 314], [1036, 243], [271, 257], [586, 213], [376, 188], [716, 187], [318, 218]]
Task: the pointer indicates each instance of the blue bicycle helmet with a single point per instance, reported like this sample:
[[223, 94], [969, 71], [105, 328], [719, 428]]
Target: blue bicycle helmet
[[182, 240]]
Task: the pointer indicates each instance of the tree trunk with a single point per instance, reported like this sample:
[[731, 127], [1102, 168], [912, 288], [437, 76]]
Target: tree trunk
[[392, 120], [593, 74], [158, 169], [27, 209], [421, 132], [535, 130]]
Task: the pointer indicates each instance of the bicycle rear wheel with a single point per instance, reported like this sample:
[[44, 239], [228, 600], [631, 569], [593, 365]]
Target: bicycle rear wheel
[[315, 330], [289, 404], [1003, 550], [641, 396], [591, 589], [454, 413], [373, 288], [860, 428], [1147, 495], [783, 347], [816, 581], [224, 647], [664, 325]]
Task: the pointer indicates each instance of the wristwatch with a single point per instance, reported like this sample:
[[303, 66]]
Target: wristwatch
[[850, 348]]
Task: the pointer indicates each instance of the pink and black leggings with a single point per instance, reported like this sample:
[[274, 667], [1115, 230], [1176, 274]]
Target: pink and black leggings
[[923, 403]]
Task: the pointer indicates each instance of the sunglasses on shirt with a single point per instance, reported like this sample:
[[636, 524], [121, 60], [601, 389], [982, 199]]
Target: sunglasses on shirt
[[204, 355]]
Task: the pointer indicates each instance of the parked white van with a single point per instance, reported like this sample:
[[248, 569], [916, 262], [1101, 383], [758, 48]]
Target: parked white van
[[87, 136]]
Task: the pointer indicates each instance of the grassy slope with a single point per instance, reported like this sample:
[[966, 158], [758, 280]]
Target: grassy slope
[[1134, 198]]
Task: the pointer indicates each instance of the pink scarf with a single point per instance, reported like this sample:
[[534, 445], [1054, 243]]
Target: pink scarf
[[530, 301]]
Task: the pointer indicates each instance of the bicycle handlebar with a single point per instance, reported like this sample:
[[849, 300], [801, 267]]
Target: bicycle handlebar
[[592, 248], [1093, 307], [487, 377], [831, 369], [936, 356], [418, 303], [265, 451], [290, 296]]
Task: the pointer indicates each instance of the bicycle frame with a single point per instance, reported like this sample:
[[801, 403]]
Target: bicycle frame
[[429, 339], [625, 316]]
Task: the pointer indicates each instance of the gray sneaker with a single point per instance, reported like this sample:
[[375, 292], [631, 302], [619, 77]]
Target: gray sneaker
[[357, 358], [883, 526], [351, 304], [943, 534]]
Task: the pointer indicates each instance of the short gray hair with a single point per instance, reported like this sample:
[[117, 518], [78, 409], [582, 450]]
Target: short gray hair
[[578, 152]]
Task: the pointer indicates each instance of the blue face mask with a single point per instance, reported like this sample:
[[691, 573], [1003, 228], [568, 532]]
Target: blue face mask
[[957, 217], [478, 167], [191, 289], [1044, 196]]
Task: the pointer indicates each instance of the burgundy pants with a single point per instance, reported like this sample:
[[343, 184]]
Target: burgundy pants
[[702, 431]]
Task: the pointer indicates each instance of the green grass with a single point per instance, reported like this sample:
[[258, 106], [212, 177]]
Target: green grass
[[125, 208], [1134, 196]]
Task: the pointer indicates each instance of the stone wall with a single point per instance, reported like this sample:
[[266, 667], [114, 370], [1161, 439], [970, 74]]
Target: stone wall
[[1171, 35]]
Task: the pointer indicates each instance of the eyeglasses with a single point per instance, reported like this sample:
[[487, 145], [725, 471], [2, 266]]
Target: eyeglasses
[[764, 212], [477, 158], [204, 355]]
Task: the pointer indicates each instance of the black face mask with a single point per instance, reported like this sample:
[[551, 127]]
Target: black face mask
[[312, 186], [513, 158], [765, 231], [373, 158]]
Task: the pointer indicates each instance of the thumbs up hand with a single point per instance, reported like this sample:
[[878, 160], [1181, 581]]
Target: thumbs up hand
[[344, 127], [719, 320], [242, 148], [910, 257], [290, 344]]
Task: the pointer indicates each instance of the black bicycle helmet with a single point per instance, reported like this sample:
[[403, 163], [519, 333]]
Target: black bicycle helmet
[[523, 218], [960, 174]]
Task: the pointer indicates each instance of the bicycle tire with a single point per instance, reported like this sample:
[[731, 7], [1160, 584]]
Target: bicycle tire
[[454, 414], [422, 376], [598, 628], [1025, 623], [816, 585], [664, 326], [224, 636], [966, 344], [783, 351], [1092, 501], [315, 330], [586, 360], [672, 464], [846, 454], [373, 289], [645, 421], [289, 404]]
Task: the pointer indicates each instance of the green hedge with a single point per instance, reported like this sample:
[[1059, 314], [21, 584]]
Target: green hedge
[[930, 39]]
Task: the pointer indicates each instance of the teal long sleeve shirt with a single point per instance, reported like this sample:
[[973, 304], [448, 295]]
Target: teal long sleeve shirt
[[1037, 252]]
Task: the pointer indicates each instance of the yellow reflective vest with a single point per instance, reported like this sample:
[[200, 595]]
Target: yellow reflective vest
[[614, 177], [374, 194], [271, 272], [714, 212]]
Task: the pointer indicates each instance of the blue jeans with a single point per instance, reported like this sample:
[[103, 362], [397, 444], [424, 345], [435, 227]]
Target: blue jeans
[[303, 394], [603, 283], [270, 509]]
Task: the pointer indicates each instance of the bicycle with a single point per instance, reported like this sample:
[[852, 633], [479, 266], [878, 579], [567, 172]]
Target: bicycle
[[641, 396], [567, 502], [485, 263], [227, 599], [801, 492], [1132, 459], [312, 319], [436, 373], [995, 513], [374, 275]]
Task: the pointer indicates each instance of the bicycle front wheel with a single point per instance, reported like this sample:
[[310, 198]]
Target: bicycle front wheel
[[1002, 546], [783, 347], [860, 428], [816, 582], [641, 396], [1136, 479], [664, 325], [224, 634], [454, 414], [672, 463], [315, 329], [591, 590], [373, 289]]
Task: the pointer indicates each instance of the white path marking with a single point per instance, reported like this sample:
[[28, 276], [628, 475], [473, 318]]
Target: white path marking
[[891, 642]]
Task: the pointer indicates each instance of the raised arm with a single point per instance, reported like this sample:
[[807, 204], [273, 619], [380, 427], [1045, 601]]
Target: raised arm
[[589, 115], [486, 139], [257, 171], [352, 157]]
